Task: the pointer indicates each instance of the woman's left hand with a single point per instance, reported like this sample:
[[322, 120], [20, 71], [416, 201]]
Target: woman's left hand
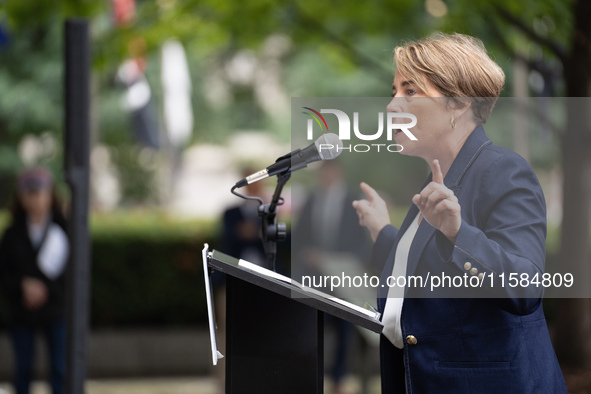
[[439, 205]]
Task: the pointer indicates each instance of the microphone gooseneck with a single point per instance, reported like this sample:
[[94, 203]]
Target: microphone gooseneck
[[327, 147]]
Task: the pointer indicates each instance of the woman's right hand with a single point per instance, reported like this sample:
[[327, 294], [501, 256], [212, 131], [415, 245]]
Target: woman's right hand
[[34, 293], [373, 212]]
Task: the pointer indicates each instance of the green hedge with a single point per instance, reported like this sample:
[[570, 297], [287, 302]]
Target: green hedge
[[147, 269]]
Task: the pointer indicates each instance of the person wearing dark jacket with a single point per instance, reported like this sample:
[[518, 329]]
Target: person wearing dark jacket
[[480, 214], [33, 256], [328, 225]]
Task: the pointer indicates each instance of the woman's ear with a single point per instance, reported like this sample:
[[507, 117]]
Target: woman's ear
[[463, 109]]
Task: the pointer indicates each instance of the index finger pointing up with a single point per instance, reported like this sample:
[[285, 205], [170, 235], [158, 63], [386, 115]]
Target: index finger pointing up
[[369, 191], [436, 170]]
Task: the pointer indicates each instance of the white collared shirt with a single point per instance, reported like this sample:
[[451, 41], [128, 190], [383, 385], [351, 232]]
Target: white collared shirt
[[393, 309]]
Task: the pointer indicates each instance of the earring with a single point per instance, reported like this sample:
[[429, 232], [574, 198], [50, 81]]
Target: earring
[[452, 122]]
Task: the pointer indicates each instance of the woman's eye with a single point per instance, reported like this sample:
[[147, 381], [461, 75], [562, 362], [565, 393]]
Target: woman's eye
[[411, 92]]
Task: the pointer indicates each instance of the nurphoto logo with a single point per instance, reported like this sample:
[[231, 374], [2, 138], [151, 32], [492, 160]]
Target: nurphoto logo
[[344, 122]]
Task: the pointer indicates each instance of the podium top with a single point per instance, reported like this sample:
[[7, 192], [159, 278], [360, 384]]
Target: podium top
[[233, 267]]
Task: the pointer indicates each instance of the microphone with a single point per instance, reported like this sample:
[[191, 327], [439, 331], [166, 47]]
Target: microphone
[[327, 147]]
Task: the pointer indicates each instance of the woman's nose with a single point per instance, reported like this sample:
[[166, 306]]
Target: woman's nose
[[395, 105]]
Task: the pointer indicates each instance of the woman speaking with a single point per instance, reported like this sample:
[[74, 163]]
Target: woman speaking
[[480, 213]]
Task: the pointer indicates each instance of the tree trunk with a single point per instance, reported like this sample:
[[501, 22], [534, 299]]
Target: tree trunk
[[573, 325], [573, 319]]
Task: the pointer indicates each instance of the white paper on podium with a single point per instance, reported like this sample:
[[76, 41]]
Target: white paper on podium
[[272, 274], [215, 354]]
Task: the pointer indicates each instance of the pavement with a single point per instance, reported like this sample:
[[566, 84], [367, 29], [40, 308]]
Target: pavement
[[201, 385], [135, 386]]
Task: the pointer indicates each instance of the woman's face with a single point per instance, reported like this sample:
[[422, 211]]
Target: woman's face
[[433, 118], [36, 202]]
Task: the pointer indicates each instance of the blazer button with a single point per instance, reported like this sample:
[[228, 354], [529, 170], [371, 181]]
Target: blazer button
[[480, 275], [411, 340], [474, 271], [467, 266]]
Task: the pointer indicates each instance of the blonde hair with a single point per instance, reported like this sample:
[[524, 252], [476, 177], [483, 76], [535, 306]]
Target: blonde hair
[[458, 66]]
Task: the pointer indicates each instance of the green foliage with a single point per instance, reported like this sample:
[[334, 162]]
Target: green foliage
[[33, 104], [337, 49], [149, 225]]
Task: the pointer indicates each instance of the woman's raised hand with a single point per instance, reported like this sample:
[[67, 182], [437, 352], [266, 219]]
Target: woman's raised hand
[[373, 212], [439, 205]]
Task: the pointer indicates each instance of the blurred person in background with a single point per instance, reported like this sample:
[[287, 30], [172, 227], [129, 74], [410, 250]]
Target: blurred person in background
[[33, 257], [327, 233], [240, 238], [242, 225]]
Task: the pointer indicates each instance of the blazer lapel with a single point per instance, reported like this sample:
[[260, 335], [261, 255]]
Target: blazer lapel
[[472, 147]]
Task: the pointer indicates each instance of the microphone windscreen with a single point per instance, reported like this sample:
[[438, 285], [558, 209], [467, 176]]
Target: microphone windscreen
[[329, 146]]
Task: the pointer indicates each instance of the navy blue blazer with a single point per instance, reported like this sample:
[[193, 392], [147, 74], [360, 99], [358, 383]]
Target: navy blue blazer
[[467, 344]]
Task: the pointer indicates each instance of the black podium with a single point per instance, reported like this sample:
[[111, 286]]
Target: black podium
[[274, 331]]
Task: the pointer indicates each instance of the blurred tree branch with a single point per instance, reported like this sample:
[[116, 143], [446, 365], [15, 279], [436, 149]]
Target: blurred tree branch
[[354, 53], [555, 47]]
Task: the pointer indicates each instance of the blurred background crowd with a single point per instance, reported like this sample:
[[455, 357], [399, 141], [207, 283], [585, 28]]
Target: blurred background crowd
[[187, 94]]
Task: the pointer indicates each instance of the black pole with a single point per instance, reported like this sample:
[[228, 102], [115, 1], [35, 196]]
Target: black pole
[[272, 231], [76, 166]]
